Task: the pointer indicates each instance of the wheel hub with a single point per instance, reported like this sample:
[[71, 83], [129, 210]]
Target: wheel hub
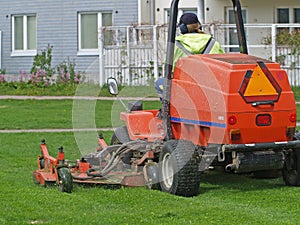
[[167, 170]]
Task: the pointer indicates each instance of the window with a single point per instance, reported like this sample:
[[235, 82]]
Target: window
[[297, 15], [232, 36], [180, 12], [283, 15], [288, 15], [88, 31], [23, 35]]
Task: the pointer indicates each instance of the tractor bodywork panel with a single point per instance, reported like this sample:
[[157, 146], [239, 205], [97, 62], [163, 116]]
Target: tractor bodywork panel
[[231, 99]]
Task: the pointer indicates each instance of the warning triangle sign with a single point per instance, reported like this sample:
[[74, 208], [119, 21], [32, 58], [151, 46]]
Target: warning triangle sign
[[259, 85]]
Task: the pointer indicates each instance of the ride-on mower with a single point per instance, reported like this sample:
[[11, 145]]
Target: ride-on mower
[[234, 111]]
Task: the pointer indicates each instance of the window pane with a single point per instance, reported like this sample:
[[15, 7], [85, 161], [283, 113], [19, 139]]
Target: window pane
[[297, 15], [18, 32], [31, 32], [108, 34], [89, 34], [106, 19], [283, 16], [233, 36]]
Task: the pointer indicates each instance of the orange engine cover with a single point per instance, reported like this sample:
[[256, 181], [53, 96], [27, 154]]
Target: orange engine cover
[[231, 98]]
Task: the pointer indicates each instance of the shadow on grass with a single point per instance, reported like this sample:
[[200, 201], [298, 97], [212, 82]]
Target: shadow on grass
[[218, 179]]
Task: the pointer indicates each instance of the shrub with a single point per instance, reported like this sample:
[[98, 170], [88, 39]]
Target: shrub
[[42, 62], [66, 73]]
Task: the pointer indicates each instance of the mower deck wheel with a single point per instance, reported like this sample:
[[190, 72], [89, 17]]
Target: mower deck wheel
[[65, 181]]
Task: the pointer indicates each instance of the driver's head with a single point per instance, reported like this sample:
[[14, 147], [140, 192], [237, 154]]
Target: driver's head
[[189, 23]]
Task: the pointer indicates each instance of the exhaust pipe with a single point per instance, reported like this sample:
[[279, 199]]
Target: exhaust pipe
[[230, 167], [255, 161]]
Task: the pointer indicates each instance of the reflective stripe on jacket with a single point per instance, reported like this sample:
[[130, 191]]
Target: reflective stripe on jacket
[[194, 43]]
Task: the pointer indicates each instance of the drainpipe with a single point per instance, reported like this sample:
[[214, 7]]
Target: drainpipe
[[200, 11], [152, 12], [139, 12]]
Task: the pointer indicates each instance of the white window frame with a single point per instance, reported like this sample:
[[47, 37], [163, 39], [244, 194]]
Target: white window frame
[[92, 51], [228, 9], [180, 12], [25, 51]]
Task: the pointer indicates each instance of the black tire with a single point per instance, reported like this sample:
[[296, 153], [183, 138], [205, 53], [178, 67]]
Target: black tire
[[65, 181], [291, 168], [121, 136], [42, 163], [179, 169]]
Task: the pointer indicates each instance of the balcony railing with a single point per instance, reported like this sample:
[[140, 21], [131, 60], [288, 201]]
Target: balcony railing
[[136, 54]]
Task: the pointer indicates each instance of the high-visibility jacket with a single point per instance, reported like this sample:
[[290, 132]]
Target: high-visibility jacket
[[195, 43]]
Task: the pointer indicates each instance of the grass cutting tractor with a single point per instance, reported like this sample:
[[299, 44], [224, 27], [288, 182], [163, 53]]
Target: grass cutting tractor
[[234, 111]]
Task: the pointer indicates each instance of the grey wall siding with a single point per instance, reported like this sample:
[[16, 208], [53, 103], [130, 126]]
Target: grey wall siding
[[57, 25]]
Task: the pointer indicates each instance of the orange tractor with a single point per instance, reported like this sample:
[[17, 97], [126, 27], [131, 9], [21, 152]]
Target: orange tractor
[[231, 110]]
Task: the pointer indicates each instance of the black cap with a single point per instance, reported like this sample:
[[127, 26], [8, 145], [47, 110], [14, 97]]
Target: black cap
[[188, 18]]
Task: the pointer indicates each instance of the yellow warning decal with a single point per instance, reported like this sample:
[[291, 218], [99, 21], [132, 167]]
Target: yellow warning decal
[[259, 84]]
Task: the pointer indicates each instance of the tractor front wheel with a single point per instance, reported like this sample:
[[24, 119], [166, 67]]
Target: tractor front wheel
[[119, 137], [65, 181], [291, 169], [179, 173]]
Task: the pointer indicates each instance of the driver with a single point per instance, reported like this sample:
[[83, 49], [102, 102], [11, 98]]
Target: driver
[[191, 41]]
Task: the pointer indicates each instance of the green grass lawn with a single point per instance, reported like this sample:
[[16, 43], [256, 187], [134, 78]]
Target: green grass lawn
[[40, 114], [224, 198]]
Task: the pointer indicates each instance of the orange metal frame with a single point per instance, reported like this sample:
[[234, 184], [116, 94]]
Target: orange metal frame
[[205, 103]]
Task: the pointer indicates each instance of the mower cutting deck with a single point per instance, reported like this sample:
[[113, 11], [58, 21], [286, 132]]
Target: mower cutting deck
[[104, 166]]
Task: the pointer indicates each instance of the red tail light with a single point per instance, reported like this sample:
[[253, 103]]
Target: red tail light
[[293, 117], [263, 120], [232, 120]]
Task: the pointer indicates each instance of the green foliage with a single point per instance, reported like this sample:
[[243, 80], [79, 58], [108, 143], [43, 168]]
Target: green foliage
[[42, 62], [2, 71], [285, 38], [296, 91], [66, 73], [42, 74], [290, 39], [71, 89]]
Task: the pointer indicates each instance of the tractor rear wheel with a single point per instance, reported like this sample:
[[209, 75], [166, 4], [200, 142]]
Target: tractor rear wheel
[[65, 181], [179, 173], [291, 169]]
